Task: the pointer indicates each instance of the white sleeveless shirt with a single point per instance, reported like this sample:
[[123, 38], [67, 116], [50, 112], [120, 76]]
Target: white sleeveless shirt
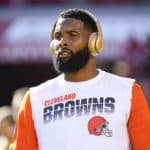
[[89, 115]]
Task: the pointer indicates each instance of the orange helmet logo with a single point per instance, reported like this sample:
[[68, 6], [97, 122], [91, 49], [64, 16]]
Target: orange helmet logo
[[99, 126]]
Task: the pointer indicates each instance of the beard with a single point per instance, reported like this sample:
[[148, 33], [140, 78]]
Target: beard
[[76, 61]]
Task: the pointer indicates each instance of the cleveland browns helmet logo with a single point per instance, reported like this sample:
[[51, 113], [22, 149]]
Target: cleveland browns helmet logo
[[99, 126]]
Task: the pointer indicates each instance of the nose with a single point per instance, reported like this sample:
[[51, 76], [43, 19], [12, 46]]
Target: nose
[[63, 42]]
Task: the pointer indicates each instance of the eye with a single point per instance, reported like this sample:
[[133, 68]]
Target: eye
[[57, 36], [73, 34]]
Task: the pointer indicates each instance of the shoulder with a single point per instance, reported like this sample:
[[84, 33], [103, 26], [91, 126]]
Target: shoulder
[[44, 85], [117, 80]]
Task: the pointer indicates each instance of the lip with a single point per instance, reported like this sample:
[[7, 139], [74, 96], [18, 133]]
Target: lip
[[65, 54]]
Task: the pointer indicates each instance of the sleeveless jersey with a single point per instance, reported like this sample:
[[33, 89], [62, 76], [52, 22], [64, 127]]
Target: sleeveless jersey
[[107, 112], [62, 112]]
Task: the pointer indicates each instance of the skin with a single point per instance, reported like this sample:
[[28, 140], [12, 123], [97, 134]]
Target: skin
[[6, 128], [72, 34]]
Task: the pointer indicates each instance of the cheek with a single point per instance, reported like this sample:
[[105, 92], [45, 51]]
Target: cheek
[[80, 44]]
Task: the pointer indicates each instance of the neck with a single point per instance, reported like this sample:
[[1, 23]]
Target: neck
[[86, 73]]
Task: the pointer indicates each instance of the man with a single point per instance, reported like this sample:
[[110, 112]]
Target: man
[[6, 121], [84, 107], [6, 126]]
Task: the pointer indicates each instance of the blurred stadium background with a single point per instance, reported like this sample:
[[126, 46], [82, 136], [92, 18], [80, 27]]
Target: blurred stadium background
[[25, 27]]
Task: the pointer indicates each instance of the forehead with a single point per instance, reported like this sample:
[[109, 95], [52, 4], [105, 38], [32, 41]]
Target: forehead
[[69, 24]]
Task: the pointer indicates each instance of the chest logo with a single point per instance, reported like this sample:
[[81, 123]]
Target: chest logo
[[98, 125]]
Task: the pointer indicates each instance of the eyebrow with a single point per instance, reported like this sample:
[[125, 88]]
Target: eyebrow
[[67, 31]]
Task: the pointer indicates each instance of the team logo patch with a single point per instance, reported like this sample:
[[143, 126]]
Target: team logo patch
[[98, 125]]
